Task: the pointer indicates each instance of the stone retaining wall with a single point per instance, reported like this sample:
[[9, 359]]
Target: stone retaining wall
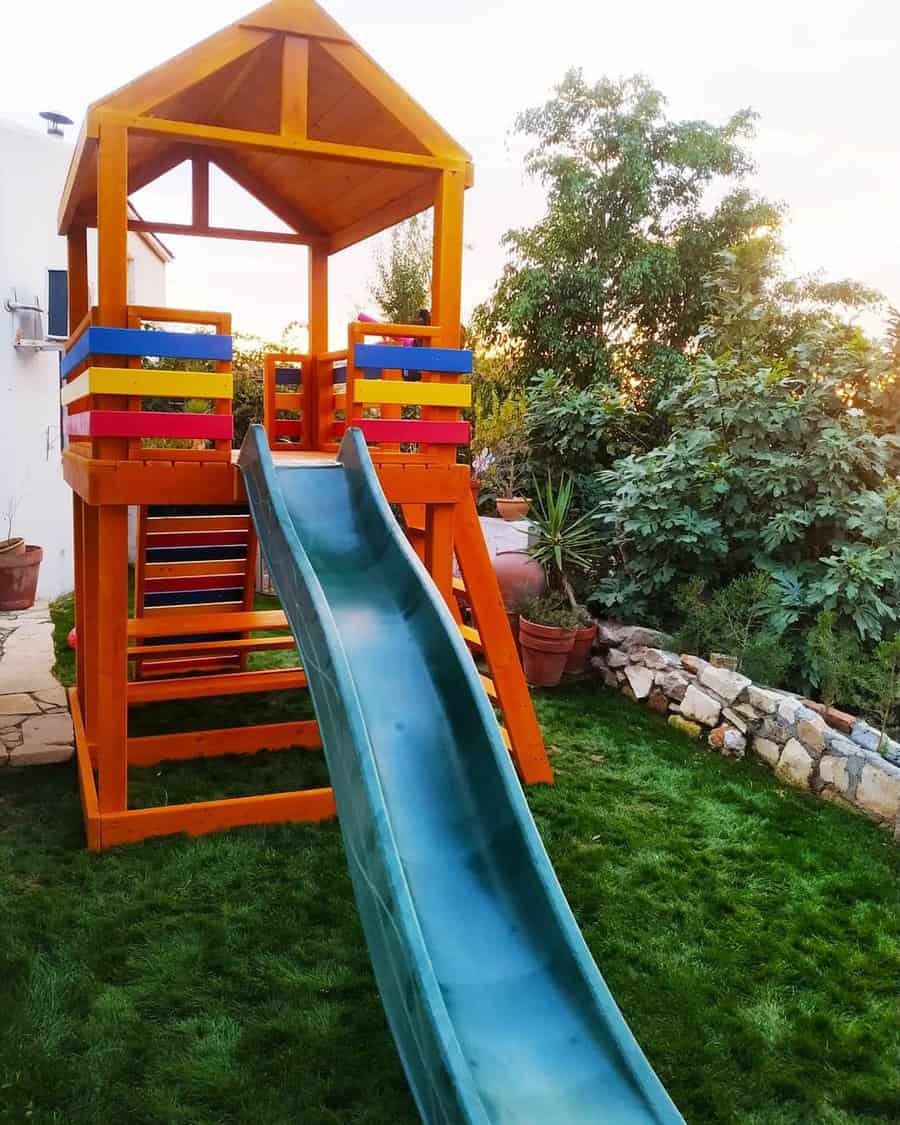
[[826, 752]]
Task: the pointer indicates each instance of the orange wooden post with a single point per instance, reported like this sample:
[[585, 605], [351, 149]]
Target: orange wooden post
[[112, 257], [76, 245], [294, 86], [499, 648], [446, 274], [223, 366], [269, 377], [108, 559], [111, 623], [79, 306], [90, 613], [78, 559], [317, 398], [446, 281]]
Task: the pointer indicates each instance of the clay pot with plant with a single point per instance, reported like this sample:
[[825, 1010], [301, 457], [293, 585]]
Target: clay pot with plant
[[547, 629], [19, 566], [566, 543], [508, 473]]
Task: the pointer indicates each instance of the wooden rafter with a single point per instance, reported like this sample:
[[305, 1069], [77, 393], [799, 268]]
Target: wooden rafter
[[201, 230], [228, 163], [215, 135]]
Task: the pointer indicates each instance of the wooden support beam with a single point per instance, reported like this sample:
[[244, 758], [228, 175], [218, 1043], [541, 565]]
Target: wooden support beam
[[80, 592], [154, 748], [294, 86], [446, 276], [199, 192], [111, 671], [79, 300], [494, 635], [193, 648], [234, 234], [439, 550], [88, 789], [214, 816], [112, 257], [229, 683], [269, 142]]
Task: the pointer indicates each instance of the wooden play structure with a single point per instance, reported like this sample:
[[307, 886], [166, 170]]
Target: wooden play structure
[[291, 108]]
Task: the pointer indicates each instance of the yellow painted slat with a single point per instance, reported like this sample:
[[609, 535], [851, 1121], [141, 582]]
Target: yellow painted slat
[[412, 394], [133, 381]]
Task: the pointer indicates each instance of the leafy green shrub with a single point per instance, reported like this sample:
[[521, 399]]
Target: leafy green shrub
[[247, 403], [878, 685], [763, 472], [577, 429], [736, 619], [832, 659]]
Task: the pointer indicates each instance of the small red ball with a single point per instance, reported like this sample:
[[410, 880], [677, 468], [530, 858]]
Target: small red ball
[[73, 639]]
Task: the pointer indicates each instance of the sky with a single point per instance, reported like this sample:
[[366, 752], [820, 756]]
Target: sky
[[822, 75]]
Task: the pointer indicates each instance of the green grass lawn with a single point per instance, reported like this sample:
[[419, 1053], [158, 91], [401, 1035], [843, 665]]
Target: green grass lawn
[[750, 934]]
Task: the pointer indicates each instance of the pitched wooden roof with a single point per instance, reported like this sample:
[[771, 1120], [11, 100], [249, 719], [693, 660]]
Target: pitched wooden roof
[[294, 110]]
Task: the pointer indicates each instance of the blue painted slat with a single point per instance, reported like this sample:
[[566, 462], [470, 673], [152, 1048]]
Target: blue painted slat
[[339, 374], [193, 597], [444, 361], [288, 376], [132, 341]]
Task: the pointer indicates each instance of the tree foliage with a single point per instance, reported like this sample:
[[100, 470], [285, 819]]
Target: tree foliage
[[402, 282], [608, 285]]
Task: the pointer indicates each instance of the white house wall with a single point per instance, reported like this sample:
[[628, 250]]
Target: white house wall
[[32, 171]]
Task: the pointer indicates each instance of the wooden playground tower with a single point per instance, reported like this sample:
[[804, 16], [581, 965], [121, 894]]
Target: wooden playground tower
[[292, 109]]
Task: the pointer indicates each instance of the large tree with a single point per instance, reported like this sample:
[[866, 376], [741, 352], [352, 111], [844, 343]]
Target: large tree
[[608, 285]]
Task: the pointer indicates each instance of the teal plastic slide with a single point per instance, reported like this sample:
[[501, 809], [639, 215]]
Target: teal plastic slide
[[496, 1006]]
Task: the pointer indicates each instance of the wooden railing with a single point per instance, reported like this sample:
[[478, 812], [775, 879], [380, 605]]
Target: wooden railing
[[105, 385]]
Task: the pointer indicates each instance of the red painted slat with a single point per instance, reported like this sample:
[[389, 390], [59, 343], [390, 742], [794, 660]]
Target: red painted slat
[[197, 582], [149, 424], [288, 427], [431, 433], [197, 539]]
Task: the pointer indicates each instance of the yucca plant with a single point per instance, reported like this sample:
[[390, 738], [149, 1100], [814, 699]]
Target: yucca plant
[[564, 542]]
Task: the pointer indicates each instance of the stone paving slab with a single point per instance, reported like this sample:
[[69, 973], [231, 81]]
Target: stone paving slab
[[35, 725]]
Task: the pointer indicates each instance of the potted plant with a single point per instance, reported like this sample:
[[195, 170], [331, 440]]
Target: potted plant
[[12, 544], [511, 505], [563, 543], [546, 635], [19, 566]]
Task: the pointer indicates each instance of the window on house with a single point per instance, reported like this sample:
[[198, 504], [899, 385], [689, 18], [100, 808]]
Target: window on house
[[58, 303]]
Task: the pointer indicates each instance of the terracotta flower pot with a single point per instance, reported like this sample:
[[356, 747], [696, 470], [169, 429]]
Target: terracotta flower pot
[[576, 662], [19, 577], [14, 546], [519, 577], [544, 652], [513, 507]]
